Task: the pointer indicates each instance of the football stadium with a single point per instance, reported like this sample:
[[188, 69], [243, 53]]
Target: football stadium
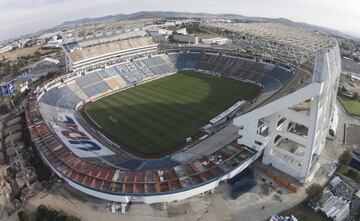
[[136, 121]]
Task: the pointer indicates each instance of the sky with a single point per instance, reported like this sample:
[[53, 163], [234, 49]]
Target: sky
[[19, 17]]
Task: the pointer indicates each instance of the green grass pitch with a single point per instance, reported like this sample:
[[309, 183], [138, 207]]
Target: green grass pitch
[[156, 117]]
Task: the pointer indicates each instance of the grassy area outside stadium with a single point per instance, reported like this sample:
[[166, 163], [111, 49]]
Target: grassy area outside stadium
[[351, 105], [304, 213], [156, 117]]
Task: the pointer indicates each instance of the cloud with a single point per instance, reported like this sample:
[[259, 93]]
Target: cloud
[[24, 16]]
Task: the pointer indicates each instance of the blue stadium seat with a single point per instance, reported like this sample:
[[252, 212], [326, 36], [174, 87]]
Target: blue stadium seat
[[269, 83], [281, 74], [101, 87], [82, 81]]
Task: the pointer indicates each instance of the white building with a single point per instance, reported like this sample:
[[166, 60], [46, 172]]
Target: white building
[[44, 66], [163, 31], [335, 207], [23, 42], [355, 77], [182, 31], [54, 44], [170, 31], [49, 35], [153, 28], [6, 48], [188, 39], [21, 85], [215, 41]]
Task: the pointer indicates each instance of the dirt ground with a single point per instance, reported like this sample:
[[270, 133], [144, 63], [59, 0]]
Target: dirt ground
[[216, 206], [350, 66], [352, 136], [13, 55]]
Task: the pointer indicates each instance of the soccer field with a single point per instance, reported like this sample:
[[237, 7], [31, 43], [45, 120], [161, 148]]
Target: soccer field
[[157, 117]]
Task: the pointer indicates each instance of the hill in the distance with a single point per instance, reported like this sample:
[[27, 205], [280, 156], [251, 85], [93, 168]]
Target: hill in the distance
[[171, 14], [148, 15]]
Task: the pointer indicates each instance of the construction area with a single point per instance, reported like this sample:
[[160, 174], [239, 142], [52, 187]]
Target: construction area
[[19, 178]]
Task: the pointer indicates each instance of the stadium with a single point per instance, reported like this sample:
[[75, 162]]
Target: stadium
[[135, 121]]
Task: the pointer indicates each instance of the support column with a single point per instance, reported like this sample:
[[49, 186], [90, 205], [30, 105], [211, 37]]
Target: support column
[[123, 208], [273, 120], [310, 139]]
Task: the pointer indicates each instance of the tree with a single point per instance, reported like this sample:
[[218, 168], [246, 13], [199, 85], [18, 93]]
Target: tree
[[266, 188], [356, 95], [345, 158], [314, 192], [4, 109], [45, 214], [37, 54], [353, 174], [41, 212], [81, 33], [7, 68], [343, 89], [15, 68], [52, 214], [25, 216], [60, 217]]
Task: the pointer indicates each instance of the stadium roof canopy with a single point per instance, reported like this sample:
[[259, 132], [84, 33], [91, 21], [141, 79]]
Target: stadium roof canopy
[[294, 43]]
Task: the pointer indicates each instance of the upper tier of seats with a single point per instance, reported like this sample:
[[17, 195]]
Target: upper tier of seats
[[97, 50], [228, 66]]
